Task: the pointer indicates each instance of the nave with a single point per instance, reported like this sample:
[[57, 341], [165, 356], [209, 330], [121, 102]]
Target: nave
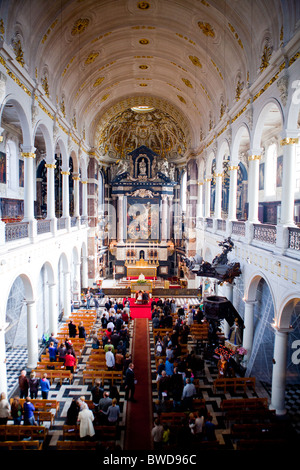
[[65, 392]]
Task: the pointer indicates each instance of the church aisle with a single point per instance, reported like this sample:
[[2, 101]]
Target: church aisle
[[139, 413]]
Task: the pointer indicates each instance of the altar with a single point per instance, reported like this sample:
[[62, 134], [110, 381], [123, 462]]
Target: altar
[[136, 268]]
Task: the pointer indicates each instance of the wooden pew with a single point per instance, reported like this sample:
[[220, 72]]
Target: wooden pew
[[258, 431], [54, 374], [102, 433], [21, 445], [234, 382], [10, 432], [42, 404], [243, 403], [76, 445], [102, 375]]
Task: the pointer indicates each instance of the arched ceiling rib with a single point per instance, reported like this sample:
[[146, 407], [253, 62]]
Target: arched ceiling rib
[[184, 55]]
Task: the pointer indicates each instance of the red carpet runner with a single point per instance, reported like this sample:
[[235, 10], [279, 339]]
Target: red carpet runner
[[140, 310], [139, 414]]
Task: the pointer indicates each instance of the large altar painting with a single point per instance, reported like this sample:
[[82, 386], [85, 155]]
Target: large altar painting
[[142, 218]]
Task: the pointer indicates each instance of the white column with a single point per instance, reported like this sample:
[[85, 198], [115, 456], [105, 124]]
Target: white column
[[84, 272], [200, 200], [65, 188], [50, 190], [76, 179], [84, 199], [218, 196], [253, 185], [120, 227], [207, 197], [67, 294], [32, 335], [3, 371], [29, 157], [288, 181], [164, 216], [249, 327], [53, 312], [279, 371], [232, 192]]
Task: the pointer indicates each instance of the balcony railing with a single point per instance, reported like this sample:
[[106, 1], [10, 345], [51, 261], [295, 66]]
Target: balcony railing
[[264, 233], [16, 231], [294, 238], [239, 228], [221, 225], [43, 226]]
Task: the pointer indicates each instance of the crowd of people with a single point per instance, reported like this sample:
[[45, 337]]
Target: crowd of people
[[177, 368]]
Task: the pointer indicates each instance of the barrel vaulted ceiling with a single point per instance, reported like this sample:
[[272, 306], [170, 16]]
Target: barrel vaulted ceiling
[[189, 59]]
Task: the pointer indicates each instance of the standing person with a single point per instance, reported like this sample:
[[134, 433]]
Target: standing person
[[72, 413], [33, 385], [45, 386], [97, 393], [29, 412], [113, 412], [52, 350], [81, 330], [16, 411], [4, 409], [130, 383], [157, 435], [72, 329], [70, 362], [110, 359], [86, 427], [23, 384]]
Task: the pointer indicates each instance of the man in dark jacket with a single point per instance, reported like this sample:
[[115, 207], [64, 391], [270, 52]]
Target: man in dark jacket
[[130, 383]]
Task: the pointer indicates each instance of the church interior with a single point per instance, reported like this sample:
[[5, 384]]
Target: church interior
[[150, 172]]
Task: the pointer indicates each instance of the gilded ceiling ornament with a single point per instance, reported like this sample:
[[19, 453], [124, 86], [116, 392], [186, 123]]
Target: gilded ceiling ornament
[[128, 130], [143, 67], [91, 58], [206, 29], [195, 61], [143, 5], [104, 97], [2, 30], [239, 89], [181, 99], [62, 107], [144, 41], [143, 84], [19, 52], [45, 85], [79, 26], [187, 82], [98, 81], [265, 58]]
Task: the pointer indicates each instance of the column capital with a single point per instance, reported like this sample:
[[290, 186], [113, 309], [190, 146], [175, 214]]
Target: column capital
[[289, 141], [50, 165], [28, 154]]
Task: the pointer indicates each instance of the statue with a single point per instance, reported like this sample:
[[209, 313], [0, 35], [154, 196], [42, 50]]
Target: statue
[[219, 268], [142, 167]]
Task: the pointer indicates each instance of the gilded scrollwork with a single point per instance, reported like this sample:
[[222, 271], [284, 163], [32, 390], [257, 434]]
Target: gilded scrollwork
[[129, 130]]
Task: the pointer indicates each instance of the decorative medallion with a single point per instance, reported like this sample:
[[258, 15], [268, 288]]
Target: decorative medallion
[[143, 67], [187, 82], [98, 81], [91, 58], [206, 29], [181, 99], [143, 5], [144, 41], [195, 61], [79, 26]]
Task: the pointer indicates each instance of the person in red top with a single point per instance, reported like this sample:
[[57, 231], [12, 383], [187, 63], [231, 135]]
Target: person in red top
[[70, 362]]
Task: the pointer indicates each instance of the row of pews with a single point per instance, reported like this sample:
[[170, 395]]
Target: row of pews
[[249, 422]]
